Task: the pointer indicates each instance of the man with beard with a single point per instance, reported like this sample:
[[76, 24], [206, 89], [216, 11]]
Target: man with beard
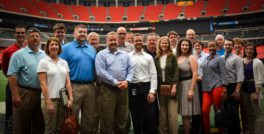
[[25, 86], [142, 90], [151, 44], [20, 35], [220, 43], [234, 77], [81, 58], [174, 38], [59, 31], [122, 43], [115, 69]]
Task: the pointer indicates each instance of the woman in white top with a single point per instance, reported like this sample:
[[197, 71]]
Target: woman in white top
[[53, 74], [167, 70]]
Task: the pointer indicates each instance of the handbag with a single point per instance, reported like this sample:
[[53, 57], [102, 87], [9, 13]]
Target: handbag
[[165, 90], [64, 96], [70, 124]]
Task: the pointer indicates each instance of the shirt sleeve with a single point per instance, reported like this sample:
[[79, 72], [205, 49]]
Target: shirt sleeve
[[42, 66], [240, 70], [14, 65], [130, 68], [222, 70], [100, 66], [153, 76]]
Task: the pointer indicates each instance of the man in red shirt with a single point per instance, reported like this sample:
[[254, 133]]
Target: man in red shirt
[[20, 35]]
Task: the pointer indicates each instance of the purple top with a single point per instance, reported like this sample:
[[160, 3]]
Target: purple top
[[249, 84]]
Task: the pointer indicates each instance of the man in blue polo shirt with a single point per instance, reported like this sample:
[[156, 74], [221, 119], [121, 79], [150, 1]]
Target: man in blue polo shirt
[[81, 59], [25, 86], [220, 39]]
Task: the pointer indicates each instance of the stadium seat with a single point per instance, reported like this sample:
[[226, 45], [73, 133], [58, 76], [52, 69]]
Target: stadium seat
[[99, 13], [116, 13], [152, 12], [81, 11], [172, 11], [64, 10], [214, 8], [133, 13], [236, 6], [194, 11], [44, 6]]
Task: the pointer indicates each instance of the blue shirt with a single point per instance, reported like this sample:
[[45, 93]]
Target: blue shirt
[[80, 58], [23, 65], [112, 67], [221, 52]]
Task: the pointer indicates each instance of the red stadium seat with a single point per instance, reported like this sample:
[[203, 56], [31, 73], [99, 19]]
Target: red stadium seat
[[81, 11], [256, 5], [194, 11], [133, 13], [99, 13], [236, 6], [9, 6], [64, 10], [153, 12], [172, 11], [44, 6], [116, 13], [31, 9], [214, 8]]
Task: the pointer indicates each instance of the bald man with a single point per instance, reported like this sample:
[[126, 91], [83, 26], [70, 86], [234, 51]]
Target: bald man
[[190, 34], [122, 43]]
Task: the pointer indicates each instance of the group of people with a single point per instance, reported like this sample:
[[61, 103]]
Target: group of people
[[108, 86]]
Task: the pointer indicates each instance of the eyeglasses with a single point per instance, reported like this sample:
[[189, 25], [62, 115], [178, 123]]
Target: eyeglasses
[[121, 33], [20, 32]]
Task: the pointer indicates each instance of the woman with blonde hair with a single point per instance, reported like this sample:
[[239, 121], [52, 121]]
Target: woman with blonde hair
[[167, 69]]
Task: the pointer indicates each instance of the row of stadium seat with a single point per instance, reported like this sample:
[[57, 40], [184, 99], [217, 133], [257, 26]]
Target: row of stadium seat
[[210, 8]]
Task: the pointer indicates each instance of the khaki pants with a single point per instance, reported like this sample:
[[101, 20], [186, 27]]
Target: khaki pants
[[252, 117], [113, 106], [53, 121], [28, 118], [84, 101], [168, 115]]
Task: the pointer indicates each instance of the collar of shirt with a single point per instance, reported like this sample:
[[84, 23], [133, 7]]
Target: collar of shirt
[[227, 55], [138, 53], [52, 59], [116, 52], [214, 56], [76, 44], [31, 51]]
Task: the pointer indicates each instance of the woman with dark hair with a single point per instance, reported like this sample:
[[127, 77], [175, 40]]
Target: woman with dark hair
[[167, 69], [252, 117], [187, 90], [53, 73], [214, 82]]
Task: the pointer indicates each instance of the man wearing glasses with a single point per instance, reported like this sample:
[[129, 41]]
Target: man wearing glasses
[[20, 35], [25, 86], [122, 43]]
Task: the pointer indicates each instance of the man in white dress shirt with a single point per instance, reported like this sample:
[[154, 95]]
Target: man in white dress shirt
[[142, 90]]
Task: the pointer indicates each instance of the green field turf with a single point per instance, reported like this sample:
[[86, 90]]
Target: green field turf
[[3, 81]]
